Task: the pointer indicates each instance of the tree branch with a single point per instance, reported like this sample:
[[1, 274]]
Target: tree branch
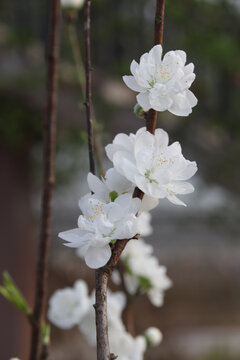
[[49, 135], [104, 273], [88, 103]]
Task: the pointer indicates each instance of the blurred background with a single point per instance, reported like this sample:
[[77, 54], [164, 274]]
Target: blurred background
[[199, 244]]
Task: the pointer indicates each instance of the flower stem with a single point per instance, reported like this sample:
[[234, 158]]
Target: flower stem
[[49, 139]]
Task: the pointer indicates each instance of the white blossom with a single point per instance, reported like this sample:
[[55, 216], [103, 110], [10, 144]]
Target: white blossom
[[163, 84], [144, 272], [153, 335], [68, 306], [129, 347], [77, 4], [114, 184], [144, 224], [158, 169], [100, 224]]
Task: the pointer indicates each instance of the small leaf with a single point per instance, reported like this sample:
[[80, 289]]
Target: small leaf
[[11, 292]]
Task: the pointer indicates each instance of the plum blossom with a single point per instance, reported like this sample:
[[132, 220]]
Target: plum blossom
[[157, 168], [77, 4], [114, 184], [144, 272], [100, 224], [68, 306], [163, 84]]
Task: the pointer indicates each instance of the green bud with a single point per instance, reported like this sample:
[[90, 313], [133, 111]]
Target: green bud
[[138, 111], [46, 330], [113, 195]]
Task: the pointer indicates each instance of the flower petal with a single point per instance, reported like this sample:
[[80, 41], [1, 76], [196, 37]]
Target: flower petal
[[97, 257], [143, 101], [130, 81]]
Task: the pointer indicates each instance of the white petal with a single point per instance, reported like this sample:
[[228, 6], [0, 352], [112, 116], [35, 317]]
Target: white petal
[[96, 186], [97, 257], [180, 105], [130, 81], [188, 69], [135, 205], [182, 55], [181, 187], [117, 182], [134, 65], [148, 203], [173, 199], [144, 140], [143, 101], [75, 237], [162, 138], [191, 98], [187, 172], [155, 54], [125, 164]]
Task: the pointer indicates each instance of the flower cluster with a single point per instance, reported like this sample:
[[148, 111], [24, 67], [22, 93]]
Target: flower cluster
[[143, 273], [71, 307], [109, 212]]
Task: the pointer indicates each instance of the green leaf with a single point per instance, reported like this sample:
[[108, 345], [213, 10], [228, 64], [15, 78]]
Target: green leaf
[[11, 292]]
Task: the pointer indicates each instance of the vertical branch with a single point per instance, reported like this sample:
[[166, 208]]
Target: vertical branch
[[101, 281], [49, 135], [158, 39], [103, 274], [103, 351], [88, 103]]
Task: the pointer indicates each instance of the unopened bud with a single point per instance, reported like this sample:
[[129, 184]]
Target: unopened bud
[[153, 336], [138, 111]]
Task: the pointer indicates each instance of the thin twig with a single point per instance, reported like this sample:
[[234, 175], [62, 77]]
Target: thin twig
[[49, 136], [76, 54], [88, 103]]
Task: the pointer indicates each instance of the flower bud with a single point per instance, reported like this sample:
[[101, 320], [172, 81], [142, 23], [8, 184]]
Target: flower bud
[[138, 111], [153, 336]]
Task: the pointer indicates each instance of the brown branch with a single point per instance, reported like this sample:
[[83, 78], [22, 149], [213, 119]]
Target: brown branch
[[103, 274], [88, 103], [49, 135], [103, 351]]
